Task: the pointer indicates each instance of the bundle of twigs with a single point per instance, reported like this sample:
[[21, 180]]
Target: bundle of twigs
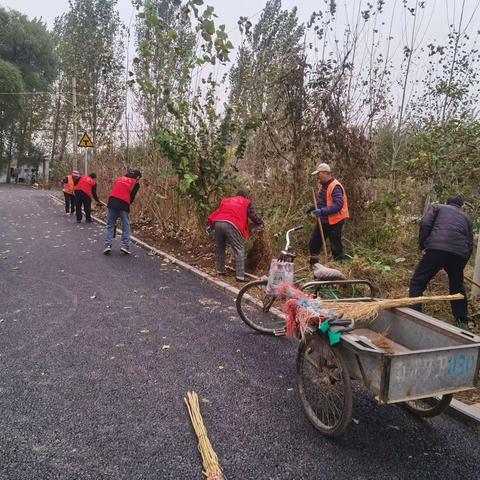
[[211, 465], [368, 311]]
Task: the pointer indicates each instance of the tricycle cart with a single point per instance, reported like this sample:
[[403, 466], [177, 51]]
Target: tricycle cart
[[420, 364]]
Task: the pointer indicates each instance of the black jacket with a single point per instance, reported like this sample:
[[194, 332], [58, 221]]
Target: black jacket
[[447, 228]]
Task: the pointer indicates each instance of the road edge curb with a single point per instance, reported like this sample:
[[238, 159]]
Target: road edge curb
[[458, 410], [225, 287], [464, 413]]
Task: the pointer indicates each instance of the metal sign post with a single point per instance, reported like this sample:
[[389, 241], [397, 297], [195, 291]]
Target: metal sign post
[[86, 143]]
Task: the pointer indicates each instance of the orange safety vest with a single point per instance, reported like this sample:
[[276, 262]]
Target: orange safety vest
[[69, 187], [343, 213]]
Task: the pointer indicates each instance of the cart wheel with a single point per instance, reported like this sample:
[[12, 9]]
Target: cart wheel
[[324, 385], [259, 310], [429, 407]]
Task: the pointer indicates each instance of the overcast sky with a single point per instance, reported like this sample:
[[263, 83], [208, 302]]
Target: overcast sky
[[434, 21]]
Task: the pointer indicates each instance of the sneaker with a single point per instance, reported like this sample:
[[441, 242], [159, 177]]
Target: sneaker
[[223, 274], [125, 249], [107, 250], [89, 220], [79, 221], [241, 280]]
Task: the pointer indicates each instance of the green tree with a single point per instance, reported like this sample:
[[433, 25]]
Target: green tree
[[90, 47], [28, 46]]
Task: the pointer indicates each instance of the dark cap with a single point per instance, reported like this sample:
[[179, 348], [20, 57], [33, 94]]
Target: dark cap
[[134, 174], [242, 193], [457, 201]]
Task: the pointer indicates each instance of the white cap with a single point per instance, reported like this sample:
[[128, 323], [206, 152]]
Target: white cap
[[323, 167]]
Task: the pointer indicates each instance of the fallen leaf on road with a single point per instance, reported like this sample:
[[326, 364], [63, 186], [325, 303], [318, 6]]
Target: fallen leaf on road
[[151, 253], [120, 345], [145, 330], [208, 301], [394, 427], [93, 297], [355, 421], [221, 367], [163, 288], [16, 268], [165, 347], [205, 400]]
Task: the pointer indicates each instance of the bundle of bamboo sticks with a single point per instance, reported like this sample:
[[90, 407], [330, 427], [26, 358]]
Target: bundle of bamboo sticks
[[211, 465], [368, 311]]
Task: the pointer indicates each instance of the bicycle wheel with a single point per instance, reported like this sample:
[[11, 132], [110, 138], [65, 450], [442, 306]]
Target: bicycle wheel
[[429, 407], [260, 311], [324, 386]]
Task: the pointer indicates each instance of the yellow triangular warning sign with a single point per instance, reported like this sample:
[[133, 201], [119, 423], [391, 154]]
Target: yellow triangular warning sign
[[85, 141]]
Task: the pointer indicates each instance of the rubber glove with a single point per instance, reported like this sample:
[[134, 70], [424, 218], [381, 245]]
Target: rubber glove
[[319, 212], [310, 209]]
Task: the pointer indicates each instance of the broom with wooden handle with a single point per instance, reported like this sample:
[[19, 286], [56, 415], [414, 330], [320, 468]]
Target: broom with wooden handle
[[368, 311], [211, 465], [320, 227]]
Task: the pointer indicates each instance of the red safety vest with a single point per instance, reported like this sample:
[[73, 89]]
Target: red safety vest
[[233, 210], [85, 185], [122, 188], [343, 213], [69, 186]]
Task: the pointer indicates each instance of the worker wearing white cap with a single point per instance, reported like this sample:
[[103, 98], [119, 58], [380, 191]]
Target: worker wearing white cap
[[332, 210]]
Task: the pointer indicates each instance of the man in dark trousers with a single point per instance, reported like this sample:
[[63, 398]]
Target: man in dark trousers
[[332, 209], [122, 195], [446, 240], [85, 188], [68, 187], [230, 222]]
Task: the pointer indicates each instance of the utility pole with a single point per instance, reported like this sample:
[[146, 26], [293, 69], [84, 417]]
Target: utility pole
[[75, 134], [476, 272]]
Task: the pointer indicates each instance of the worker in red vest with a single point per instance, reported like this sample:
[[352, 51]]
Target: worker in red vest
[[122, 195], [68, 186], [332, 209], [85, 189], [230, 223]]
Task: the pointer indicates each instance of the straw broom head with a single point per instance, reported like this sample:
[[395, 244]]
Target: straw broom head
[[368, 311], [211, 465]]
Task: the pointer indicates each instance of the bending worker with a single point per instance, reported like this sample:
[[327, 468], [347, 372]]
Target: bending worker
[[68, 187], [446, 240], [332, 209], [230, 222], [122, 195], [85, 189]]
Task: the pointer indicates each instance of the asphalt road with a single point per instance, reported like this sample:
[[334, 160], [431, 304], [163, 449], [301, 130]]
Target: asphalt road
[[97, 354]]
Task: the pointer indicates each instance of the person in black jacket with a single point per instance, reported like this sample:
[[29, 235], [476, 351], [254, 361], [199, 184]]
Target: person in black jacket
[[446, 240]]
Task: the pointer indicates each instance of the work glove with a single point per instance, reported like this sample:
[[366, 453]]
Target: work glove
[[319, 212], [310, 209], [209, 230]]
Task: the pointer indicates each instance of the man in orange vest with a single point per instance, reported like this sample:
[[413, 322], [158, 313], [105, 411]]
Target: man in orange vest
[[122, 195], [230, 223], [332, 209], [85, 188], [68, 185]]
